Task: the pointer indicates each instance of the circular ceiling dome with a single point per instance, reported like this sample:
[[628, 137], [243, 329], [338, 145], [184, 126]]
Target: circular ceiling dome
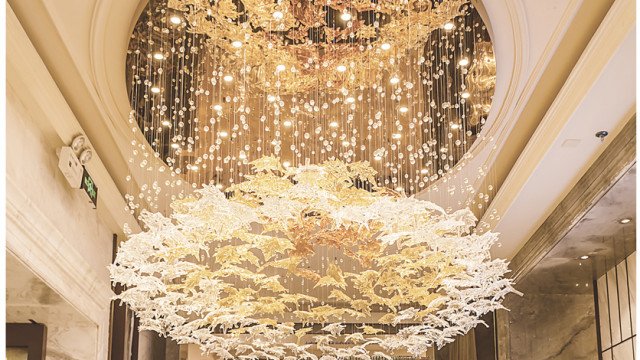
[[405, 86]]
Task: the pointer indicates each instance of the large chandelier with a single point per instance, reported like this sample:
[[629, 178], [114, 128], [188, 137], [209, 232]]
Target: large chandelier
[[309, 262]]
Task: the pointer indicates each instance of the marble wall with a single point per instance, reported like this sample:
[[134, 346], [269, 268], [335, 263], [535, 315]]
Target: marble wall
[[70, 335], [552, 327]]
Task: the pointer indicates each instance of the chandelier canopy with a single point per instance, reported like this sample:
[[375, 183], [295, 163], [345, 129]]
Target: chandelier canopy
[[309, 262]]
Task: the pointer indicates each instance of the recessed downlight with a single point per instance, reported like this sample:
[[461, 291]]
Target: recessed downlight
[[584, 257], [624, 220]]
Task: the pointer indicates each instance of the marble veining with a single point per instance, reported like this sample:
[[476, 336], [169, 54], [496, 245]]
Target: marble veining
[[552, 327]]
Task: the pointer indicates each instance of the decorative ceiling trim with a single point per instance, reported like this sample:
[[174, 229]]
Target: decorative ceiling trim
[[612, 164], [30, 78], [603, 46], [514, 87]]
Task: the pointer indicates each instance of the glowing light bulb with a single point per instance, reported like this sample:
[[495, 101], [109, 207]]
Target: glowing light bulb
[[394, 80], [286, 164], [377, 157], [175, 145], [223, 134], [228, 78], [424, 171], [278, 15], [385, 46], [158, 56], [175, 19], [346, 143], [166, 122], [403, 109], [463, 62], [625, 221], [396, 136], [345, 16], [155, 89], [584, 257], [236, 44], [280, 68], [341, 68], [349, 100], [271, 98], [242, 155], [399, 189], [194, 168], [287, 123], [217, 107], [333, 124], [449, 26], [465, 95], [455, 126]]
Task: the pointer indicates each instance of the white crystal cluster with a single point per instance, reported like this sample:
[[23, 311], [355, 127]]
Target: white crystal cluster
[[220, 271]]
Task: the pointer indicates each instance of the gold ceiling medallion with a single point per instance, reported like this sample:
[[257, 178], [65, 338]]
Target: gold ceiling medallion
[[294, 45]]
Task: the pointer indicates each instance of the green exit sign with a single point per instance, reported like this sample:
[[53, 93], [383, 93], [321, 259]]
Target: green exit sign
[[89, 187]]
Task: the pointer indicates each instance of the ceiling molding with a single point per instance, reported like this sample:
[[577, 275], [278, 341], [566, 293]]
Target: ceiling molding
[[28, 76], [523, 194], [612, 164], [519, 73]]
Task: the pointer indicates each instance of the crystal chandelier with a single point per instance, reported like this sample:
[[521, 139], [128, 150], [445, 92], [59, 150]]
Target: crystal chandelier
[[309, 262], [281, 144]]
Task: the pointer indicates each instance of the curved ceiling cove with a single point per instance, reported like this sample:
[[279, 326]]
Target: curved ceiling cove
[[405, 86]]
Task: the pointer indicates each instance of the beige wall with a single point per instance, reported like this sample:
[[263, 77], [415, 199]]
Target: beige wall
[[51, 229]]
